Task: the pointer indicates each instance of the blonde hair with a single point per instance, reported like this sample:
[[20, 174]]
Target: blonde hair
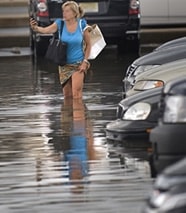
[[77, 9]]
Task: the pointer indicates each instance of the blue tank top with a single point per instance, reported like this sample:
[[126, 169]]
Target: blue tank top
[[74, 41]]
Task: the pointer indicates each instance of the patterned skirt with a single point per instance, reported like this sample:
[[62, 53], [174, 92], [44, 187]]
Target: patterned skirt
[[66, 71]]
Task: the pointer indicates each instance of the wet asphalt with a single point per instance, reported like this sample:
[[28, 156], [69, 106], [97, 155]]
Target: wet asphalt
[[54, 156]]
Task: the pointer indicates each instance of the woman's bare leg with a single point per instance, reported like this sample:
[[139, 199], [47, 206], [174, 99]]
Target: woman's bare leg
[[67, 89], [77, 84]]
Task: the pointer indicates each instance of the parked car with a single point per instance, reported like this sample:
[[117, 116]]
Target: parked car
[[158, 76], [163, 12], [119, 21], [168, 137], [169, 191], [132, 118], [169, 52], [135, 117], [171, 43]]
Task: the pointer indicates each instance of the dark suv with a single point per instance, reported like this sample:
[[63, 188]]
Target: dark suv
[[119, 21]]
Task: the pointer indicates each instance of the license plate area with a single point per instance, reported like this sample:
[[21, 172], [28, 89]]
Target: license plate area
[[90, 7]]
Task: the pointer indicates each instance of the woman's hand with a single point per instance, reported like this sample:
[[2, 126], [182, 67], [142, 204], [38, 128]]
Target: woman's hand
[[46, 30], [33, 24], [84, 66]]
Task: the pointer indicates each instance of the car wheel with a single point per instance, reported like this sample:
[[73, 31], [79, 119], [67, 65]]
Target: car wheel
[[128, 46], [40, 48], [31, 40], [134, 45]]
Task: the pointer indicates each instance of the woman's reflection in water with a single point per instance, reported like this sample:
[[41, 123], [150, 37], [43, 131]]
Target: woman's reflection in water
[[75, 123]]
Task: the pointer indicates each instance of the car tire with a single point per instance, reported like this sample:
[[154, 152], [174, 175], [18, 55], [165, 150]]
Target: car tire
[[128, 46], [39, 47]]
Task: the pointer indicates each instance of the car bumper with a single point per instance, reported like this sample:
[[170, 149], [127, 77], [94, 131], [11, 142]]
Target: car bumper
[[120, 130], [43, 37], [169, 139], [113, 27], [168, 144], [166, 160]]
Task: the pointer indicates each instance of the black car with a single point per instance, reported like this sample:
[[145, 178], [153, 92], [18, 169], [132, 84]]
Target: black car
[[136, 116], [119, 20], [168, 137], [171, 52], [169, 191]]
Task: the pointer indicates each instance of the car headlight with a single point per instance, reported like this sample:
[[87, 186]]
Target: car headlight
[[138, 111], [143, 68], [147, 84], [158, 198], [175, 111]]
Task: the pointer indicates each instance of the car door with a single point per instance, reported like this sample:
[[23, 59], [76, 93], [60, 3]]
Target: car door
[[154, 11]]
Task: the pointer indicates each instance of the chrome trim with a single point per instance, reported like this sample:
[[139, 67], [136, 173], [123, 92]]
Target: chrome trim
[[132, 31]]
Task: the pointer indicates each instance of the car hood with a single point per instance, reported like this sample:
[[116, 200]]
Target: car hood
[[171, 43], [152, 97], [161, 57], [165, 72], [141, 97]]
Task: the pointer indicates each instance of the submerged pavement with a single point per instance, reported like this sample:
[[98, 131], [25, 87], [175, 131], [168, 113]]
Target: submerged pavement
[[54, 156]]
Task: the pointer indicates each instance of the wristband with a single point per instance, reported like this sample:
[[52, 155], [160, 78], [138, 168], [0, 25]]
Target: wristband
[[85, 60]]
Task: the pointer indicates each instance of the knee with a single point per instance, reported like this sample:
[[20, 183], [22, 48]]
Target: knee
[[77, 95], [77, 92]]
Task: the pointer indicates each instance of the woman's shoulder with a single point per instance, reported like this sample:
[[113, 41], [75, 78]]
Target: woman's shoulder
[[58, 20], [83, 23]]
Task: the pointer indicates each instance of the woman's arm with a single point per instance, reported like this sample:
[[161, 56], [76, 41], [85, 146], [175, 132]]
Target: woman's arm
[[85, 64], [87, 44], [44, 30]]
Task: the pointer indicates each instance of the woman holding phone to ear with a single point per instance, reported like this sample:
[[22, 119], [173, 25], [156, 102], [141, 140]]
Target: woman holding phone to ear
[[72, 74]]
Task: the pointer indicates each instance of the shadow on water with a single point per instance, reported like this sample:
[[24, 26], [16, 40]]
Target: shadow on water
[[54, 155]]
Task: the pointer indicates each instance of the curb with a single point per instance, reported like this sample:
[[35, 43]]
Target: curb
[[15, 52], [160, 35]]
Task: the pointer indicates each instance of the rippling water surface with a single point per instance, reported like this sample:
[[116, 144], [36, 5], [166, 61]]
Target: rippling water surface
[[54, 156]]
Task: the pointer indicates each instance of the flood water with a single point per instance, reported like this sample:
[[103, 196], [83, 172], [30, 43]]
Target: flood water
[[54, 156]]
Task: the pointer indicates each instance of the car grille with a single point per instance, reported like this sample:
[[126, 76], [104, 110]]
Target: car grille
[[162, 105], [119, 112], [131, 70]]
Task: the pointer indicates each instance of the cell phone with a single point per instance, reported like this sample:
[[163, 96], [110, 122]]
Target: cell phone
[[32, 17]]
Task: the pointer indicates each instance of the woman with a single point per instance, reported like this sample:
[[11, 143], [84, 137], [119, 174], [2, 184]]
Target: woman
[[74, 33]]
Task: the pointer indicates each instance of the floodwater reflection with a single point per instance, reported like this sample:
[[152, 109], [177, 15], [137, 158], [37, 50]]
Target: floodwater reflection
[[73, 148], [76, 124]]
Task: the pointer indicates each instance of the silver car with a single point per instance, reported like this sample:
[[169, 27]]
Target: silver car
[[165, 53], [158, 76]]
